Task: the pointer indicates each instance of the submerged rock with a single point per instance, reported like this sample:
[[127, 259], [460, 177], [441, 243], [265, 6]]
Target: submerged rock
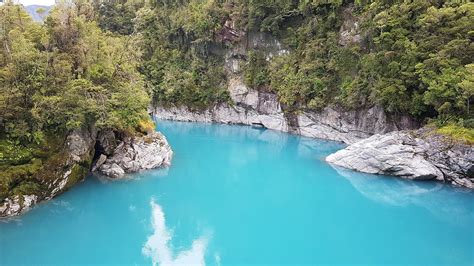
[[134, 154], [418, 155]]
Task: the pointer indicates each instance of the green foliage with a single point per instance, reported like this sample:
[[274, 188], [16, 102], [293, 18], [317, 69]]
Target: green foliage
[[295, 85], [420, 57], [458, 133], [256, 71], [14, 175], [58, 76], [177, 60], [414, 57], [117, 15], [12, 153], [19, 163], [65, 74]]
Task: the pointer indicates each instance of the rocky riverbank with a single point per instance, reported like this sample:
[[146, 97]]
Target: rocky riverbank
[[253, 107], [381, 143], [417, 155], [60, 172], [378, 145], [250, 106], [107, 153]]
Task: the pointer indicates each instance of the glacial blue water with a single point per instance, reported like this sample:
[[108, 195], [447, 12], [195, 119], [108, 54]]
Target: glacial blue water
[[237, 195]]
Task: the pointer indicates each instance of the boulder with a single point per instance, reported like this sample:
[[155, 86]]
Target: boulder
[[418, 155], [134, 154]]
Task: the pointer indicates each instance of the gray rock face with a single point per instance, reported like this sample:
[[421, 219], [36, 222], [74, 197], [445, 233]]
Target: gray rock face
[[349, 126], [418, 155], [135, 154], [396, 153], [253, 107], [17, 205], [106, 139], [332, 124], [74, 159]]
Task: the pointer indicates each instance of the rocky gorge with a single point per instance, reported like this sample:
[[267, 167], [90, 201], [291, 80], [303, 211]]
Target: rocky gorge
[[86, 150], [380, 143]]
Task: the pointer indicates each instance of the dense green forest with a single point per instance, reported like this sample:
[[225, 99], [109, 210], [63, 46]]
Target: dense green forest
[[414, 57], [61, 75], [102, 62]]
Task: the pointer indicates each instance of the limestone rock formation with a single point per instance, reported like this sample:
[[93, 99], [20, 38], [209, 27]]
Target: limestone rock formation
[[251, 106], [419, 155], [350, 32], [133, 154], [73, 161]]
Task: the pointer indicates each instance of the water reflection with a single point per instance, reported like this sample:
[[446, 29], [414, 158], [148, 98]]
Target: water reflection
[[444, 202], [159, 248]]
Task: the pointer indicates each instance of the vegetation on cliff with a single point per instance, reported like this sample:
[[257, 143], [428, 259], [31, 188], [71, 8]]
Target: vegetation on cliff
[[411, 57], [58, 76]]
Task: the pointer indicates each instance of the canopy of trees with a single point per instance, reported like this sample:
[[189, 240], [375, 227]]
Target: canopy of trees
[[415, 57], [66, 73], [90, 61]]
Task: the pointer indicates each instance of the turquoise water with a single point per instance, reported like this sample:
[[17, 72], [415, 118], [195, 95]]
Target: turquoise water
[[238, 195]]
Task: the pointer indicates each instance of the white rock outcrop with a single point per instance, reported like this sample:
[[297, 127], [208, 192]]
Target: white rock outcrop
[[17, 205], [135, 154], [417, 155], [348, 127], [250, 107]]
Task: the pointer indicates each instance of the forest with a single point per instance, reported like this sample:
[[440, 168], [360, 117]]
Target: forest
[[61, 75], [414, 57], [102, 63]]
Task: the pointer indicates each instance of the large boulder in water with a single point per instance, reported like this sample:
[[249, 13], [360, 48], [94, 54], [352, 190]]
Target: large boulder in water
[[134, 154], [418, 155]]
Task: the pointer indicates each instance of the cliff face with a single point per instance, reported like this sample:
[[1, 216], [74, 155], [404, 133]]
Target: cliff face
[[381, 143], [83, 150], [262, 108], [332, 124]]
